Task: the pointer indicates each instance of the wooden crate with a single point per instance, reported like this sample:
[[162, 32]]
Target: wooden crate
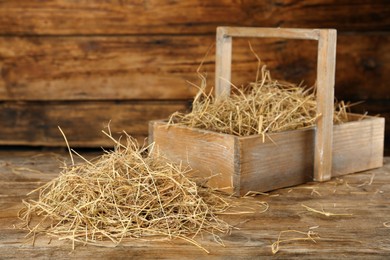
[[241, 164]]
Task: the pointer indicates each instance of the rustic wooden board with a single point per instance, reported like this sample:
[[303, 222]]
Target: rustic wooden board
[[362, 235], [157, 67], [194, 16], [35, 123], [93, 68]]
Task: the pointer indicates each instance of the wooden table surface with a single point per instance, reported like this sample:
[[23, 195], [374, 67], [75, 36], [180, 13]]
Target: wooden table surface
[[363, 233]]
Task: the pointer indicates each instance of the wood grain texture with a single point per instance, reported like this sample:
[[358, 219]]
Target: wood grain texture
[[284, 161], [60, 17], [35, 123], [86, 68], [362, 235], [157, 67], [211, 155], [360, 60], [358, 146]]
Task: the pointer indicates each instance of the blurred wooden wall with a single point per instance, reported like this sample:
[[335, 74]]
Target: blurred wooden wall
[[79, 64]]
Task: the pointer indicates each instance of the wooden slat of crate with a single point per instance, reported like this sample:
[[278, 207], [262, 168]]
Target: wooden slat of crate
[[191, 16], [35, 123], [211, 154], [358, 146], [284, 159], [158, 67]]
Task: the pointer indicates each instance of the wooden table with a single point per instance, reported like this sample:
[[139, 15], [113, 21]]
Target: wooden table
[[364, 233]]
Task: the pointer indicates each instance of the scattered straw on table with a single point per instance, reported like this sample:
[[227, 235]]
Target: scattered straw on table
[[124, 193]]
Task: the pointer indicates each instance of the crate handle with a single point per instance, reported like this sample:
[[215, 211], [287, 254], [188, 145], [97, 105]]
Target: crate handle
[[326, 62]]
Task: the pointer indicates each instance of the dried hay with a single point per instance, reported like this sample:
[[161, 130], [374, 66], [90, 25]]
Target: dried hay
[[310, 235], [124, 193], [325, 213], [264, 106]]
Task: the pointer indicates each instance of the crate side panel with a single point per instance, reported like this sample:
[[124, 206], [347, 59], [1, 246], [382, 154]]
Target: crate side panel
[[210, 155], [358, 146], [284, 161]]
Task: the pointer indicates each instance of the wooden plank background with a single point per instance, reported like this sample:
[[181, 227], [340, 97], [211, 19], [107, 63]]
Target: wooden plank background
[[80, 64]]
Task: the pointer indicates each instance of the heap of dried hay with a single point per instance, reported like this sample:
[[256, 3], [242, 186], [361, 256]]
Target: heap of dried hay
[[124, 193], [262, 107]]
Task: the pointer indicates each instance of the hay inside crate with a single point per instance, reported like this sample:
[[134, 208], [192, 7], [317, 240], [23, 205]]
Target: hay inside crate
[[237, 165]]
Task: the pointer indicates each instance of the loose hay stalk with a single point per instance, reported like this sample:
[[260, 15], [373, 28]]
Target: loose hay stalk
[[124, 193], [262, 107], [322, 212], [310, 235]]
